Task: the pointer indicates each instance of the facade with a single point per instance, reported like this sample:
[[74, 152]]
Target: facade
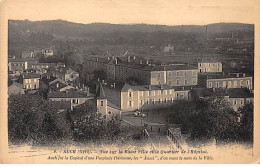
[[209, 66], [16, 65], [31, 81], [146, 73], [236, 97], [74, 97], [146, 96], [229, 81], [107, 109], [27, 54], [174, 75]]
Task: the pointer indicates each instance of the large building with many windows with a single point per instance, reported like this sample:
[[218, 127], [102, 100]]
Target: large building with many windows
[[142, 70], [209, 66], [229, 81]]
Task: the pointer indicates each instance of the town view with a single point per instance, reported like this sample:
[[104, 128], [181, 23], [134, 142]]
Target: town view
[[130, 85]]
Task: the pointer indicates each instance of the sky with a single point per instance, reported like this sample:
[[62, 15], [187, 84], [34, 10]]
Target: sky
[[165, 12]]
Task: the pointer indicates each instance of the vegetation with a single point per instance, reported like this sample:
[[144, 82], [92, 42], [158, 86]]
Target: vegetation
[[207, 120], [34, 120], [90, 126]]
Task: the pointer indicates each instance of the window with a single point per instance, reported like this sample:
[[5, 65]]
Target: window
[[165, 100], [177, 73], [185, 82], [101, 103], [185, 73], [169, 83], [158, 75], [141, 102], [153, 101], [159, 101], [229, 84], [177, 82], [210, 85], [241, 83], [217, 84], [130, 103], [235, 102], [248, 82], [224, 84], [74, 101], [130, 94], [235, 84], [109, 112], [200, 64]]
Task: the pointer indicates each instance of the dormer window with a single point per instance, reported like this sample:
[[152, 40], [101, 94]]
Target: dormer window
[[101, 103]]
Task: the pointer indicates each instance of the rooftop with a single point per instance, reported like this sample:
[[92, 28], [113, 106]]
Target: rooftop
[[70, 94], [220, 92], [231, 75], [145, 87], [30, 76]]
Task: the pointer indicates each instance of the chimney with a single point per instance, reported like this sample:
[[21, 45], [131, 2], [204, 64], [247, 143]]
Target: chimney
[[147, 62], [161, 86], [134, 57], [108, 58], [103, 81], [128, 59], [114, 84], [150, 87], [244, 75], [141, 61], [97, 59], [115, 60]]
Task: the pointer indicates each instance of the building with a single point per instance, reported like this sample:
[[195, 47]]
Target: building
[[47, 52], [27, 54], [71, 75], [17, 65], [236, 97], [107, 109], [137, 68], [208, 66], [146, 96], [15, 88], [75, 97], [235, 80], [31, 81], [174, 75]]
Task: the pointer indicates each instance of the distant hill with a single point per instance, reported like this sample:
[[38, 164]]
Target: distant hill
[[68, 30]]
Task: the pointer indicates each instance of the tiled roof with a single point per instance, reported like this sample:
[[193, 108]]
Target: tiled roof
[[70, 94], [234, 75], [31, 75], [218, 92], [145, 87], [17, 85], [173, 68], [101, 93], [112, 105]]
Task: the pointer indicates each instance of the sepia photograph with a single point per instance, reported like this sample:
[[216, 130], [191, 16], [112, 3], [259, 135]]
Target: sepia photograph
[[113, 81]]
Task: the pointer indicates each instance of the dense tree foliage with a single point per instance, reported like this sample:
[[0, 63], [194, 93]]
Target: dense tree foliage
[[212, 119], [32, 119], [90, 125], [247, 122]]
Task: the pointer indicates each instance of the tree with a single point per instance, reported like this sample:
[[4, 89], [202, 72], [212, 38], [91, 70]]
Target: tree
[[99, 74], [206, 119], [32, 119], [247, 122], [91, 126]]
